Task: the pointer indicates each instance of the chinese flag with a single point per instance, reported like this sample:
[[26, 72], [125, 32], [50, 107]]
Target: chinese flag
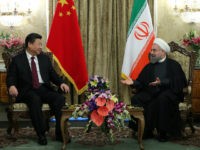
[[65, 43]]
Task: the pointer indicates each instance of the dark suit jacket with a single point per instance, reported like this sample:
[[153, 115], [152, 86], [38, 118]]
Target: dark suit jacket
[[19, 73]]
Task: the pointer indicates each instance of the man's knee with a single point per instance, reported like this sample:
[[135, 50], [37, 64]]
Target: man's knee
[[32, 100], [141, 99], [135, 101]]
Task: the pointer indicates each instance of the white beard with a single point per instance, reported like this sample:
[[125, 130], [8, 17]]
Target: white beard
[[153, 59]]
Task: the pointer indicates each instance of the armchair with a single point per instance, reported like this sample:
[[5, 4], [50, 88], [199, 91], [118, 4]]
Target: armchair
[[20, 110], [186, 59]]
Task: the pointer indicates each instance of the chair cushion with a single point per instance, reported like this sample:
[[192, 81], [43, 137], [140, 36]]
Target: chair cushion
[[184, 106], [23, 107]]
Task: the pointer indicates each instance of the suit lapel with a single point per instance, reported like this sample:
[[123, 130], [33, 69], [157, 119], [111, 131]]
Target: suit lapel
[[41, 66], [26, 66]]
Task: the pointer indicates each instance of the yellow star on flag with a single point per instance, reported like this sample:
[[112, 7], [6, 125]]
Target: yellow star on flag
[[65, 28], [63, 2], [60, 14], [73, 7], [68, 13]]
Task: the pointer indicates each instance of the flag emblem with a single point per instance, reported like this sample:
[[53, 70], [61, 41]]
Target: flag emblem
[[142, 30]]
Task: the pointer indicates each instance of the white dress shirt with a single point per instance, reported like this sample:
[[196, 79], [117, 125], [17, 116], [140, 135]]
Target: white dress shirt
[[37, 66]]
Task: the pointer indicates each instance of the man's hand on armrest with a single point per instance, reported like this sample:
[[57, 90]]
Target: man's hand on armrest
[[64, 87], [13, 91]]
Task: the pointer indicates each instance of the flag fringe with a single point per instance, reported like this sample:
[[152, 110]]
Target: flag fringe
[[68, 76]]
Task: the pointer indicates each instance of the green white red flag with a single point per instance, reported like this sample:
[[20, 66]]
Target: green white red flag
[[65, 43], [139, 41]]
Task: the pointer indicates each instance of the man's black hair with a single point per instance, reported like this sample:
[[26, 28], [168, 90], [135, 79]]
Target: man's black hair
[[30, 38]]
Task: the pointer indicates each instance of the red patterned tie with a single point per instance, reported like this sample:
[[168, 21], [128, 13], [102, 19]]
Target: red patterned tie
[[35, 80]]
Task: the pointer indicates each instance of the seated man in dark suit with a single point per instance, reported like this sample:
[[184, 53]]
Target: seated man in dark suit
[[160, 89], [28, 79]]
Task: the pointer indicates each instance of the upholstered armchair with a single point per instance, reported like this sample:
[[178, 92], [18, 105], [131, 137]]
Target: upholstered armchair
[[186, 58], [20, 110]]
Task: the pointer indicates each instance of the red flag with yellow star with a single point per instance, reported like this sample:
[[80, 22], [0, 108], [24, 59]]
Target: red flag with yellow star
[[65, 43]]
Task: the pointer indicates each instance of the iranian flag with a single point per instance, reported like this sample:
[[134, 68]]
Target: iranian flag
[[139, 41]]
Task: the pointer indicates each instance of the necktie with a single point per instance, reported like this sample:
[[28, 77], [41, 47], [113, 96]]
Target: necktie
[[35, 80]]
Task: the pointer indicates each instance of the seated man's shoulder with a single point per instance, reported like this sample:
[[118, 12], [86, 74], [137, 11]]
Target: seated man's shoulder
[[45, 54], [18, 55], [173, 62]]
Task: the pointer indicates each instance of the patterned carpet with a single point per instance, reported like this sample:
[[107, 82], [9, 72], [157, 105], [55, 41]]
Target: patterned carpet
[[20, 138], [190, 139], [86, 138]]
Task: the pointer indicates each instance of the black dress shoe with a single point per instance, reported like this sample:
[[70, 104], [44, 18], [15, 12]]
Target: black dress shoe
[[59, 138], [42, 140], [163, 137], [148, 134]]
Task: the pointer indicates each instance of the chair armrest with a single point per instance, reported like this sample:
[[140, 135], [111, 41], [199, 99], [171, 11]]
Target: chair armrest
[[187, 90], [11, 99], [184, 106]]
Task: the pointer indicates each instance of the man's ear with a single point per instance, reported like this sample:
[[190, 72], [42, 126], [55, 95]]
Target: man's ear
[[29, 44]]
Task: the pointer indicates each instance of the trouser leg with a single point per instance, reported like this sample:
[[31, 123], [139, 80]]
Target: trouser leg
[[56, 102], [168, 113], [34, 104], [151, 115]]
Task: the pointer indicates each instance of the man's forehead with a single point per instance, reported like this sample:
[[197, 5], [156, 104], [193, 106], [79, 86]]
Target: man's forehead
[[155, 46]]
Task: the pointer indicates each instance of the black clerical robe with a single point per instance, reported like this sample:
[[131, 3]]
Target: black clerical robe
[[161, 102]]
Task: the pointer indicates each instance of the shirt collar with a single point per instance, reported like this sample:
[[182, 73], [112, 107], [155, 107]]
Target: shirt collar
[[29, 55], [162, 60]]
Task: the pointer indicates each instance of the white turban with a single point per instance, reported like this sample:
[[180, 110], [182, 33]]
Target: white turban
[[163, 45]]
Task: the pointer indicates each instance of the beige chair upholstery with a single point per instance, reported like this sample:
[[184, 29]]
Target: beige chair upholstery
[[23, 107], [186, 58]]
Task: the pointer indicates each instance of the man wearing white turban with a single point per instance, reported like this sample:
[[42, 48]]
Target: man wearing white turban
[[163, 45], [160, 89]]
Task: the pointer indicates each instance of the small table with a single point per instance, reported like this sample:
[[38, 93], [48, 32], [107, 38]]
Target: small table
[[137, 112]]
